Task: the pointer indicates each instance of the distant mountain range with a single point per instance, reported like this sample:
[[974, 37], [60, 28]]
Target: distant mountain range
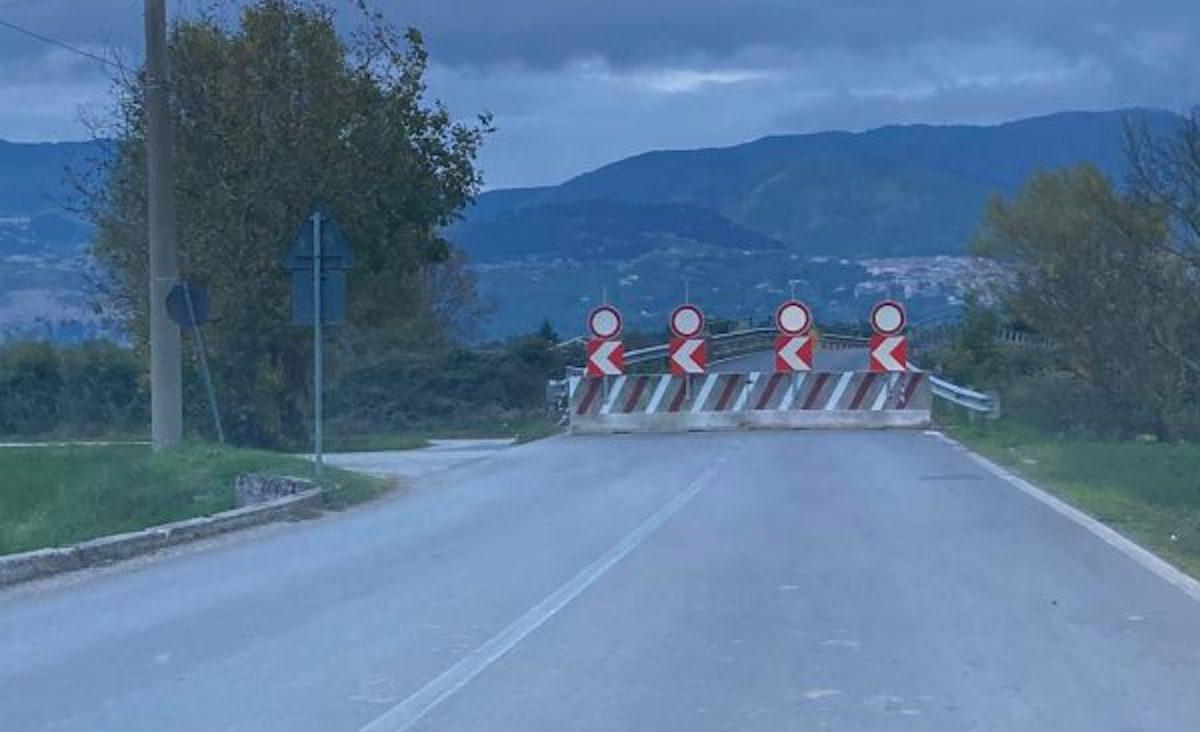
[[845, 217], [43, 290], [821, 208]]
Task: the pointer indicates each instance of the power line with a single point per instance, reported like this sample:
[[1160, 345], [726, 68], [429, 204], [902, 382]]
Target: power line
[[60, 44]]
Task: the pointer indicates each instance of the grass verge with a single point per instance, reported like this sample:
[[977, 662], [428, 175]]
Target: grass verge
[[53, 496], [1148, 491], [522, 429]]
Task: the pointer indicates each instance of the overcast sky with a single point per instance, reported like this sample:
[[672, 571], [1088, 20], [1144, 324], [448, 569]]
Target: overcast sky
[[574, 84]]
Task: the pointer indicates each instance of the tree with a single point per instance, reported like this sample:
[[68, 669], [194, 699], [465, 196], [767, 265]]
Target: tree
[[270, 116], [1164, 171], [973, 355], [1093, 276], [547, 332]]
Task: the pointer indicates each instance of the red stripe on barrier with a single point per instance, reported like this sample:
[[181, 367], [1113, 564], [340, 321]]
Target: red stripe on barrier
[[677, 402], [816, 391], [863, 388], [593, 387], [638, 387], [730, 385], [767, 392], [913, 380]]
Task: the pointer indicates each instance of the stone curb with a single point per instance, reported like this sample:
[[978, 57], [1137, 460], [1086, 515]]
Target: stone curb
[[15, 568]]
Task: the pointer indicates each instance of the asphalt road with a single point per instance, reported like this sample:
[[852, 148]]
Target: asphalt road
[[740, 581]]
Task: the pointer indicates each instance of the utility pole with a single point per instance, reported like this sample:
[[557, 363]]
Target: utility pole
[[166, 378]]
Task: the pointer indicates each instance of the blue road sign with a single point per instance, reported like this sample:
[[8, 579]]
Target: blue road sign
[[336, 258], [186, 313], [333, 296]]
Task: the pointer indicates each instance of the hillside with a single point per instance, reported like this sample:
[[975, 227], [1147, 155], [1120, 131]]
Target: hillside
[[856, 214], [846, 216], [899, 190], [42, 281]]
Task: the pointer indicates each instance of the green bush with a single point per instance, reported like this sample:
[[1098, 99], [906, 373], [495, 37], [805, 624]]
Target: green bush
[[99, 389], [404, 390], [90, 389]]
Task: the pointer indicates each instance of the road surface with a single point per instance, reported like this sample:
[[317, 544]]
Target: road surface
[[415, 464], [824, 359], [740, 581]]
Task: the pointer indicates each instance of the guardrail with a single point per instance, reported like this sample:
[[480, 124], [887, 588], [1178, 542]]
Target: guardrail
[[970, 399], [736, 343]]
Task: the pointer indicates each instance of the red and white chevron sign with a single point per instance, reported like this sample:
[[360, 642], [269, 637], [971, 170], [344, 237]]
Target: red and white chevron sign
[[687, 356], [889, 353], [605, 358], [793, 353]]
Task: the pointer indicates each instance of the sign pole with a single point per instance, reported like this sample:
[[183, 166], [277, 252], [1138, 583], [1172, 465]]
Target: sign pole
[[202, 352], [317, 458]]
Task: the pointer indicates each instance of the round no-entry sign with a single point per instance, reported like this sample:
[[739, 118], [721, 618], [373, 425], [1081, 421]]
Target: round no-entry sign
[[793, 318], [605, 322], [888, 318], [687, 321]]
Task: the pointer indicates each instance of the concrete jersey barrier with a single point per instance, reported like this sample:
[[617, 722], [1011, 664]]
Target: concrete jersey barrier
[[716, 401]]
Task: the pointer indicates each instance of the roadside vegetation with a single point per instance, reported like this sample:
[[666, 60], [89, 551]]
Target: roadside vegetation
[[51, 496], [1101, 400], [520, 429], [1148, 491]]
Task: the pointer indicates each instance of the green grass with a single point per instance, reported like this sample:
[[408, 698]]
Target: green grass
[[377, 442], [1148, 491], [54, 496]]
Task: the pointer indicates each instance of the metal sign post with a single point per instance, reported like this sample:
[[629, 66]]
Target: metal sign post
[[187, 305], [203, 352], [318, 260], [317, 375]]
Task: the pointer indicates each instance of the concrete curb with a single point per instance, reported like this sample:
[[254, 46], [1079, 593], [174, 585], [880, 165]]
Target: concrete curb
[[15, 568]]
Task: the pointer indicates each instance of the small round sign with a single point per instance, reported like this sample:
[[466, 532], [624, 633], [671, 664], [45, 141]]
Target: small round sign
[[888, 318], [793, 318], [605, 322], [687, 321]]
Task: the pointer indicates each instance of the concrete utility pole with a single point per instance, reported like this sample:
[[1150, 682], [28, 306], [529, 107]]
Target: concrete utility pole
[[166, 387]]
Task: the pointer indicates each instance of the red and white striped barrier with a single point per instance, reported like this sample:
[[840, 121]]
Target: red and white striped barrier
[[757, 399]]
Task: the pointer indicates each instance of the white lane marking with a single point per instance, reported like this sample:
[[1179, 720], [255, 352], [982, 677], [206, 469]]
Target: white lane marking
[[614, 392], [659, 391], [751, 380], [709, 382], [1109, 536], [884, 391], [793, 389], [410, 711], [839, 391]]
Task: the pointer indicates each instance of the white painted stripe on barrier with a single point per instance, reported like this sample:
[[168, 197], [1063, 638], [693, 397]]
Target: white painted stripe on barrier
[[793, 389], [884, 391], [572, 385], [659, 391], [613, 393], [839, 390], [709, 382], [751, 380]]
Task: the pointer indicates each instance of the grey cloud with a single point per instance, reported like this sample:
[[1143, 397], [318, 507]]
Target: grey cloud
[[577, 83], [635, 32]]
